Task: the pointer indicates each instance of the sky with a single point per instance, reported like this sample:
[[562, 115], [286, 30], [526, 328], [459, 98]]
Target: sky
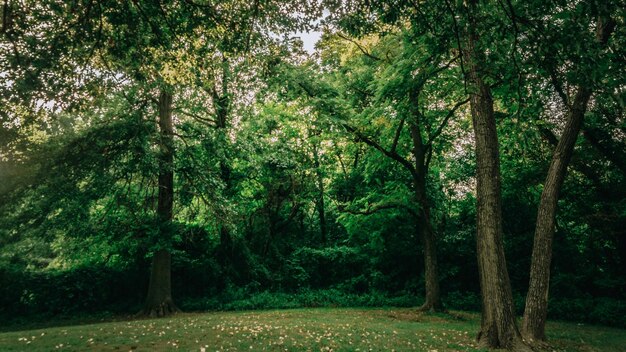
[[309, 40]]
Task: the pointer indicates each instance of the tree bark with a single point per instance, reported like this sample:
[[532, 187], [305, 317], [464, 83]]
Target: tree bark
[[159, 302], [498, 326], [159, 299], [535, 312], [432, 299], [536, 309]]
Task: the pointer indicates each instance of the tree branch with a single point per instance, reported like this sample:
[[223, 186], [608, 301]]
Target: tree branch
[[365, 52], [372, 209], [444, 122], [392, 155], [397, 136], [458, 42], [557, 86], [439, 69], [205, 120], [306, 89]]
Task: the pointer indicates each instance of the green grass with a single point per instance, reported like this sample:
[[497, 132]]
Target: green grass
[[323, 329]]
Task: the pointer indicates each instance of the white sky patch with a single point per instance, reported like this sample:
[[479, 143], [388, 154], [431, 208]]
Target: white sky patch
[[309, 39]]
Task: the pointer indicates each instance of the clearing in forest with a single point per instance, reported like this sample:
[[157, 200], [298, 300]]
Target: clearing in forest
[[326, 329]]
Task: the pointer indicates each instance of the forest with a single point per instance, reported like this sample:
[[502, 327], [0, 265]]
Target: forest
[[169, 156]]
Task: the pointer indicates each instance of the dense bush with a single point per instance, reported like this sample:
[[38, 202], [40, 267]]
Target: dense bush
[[238, 300], [600, 310], [92, 290], [82, 289], [318, 268]]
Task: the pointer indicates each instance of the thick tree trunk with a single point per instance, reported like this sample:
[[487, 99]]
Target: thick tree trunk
[[498, 326], [536, 310], [533, 326], [159, 299]]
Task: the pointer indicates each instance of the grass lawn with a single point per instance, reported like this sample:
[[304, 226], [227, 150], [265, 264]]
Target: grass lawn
[[327, 329]]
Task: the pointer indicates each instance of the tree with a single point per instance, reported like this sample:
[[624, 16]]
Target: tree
[[398, 91], [536, 310], [498, 326], [159, 300], [156, 45]]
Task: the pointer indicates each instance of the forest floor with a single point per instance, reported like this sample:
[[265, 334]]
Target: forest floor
[[320, 329]]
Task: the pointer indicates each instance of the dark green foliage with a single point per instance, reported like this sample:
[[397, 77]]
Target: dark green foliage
[[587, 309], [242, 300], [346, 268], [63, 292]]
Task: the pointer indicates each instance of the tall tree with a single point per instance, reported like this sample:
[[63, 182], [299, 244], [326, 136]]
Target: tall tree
[[536, 310], [498, 327], [146, 43], [400, 91], [159, 300]]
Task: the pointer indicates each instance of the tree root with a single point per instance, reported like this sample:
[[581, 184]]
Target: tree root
[[538, 345], [159, 310], [428, 307], [515, 344]]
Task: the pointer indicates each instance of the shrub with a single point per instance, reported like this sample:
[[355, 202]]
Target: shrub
[[463, 301], [601, 310]]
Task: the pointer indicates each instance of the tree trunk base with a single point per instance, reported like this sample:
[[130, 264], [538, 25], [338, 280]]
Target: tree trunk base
[[537, 344], [428, 307], [159, 310], [516, 344]]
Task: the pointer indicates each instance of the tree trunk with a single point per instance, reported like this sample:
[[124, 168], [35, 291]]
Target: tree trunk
[[221, 100], [536, 310], [159, 299], [418, 169], [498, 326], [432, 299], [533, 326]]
